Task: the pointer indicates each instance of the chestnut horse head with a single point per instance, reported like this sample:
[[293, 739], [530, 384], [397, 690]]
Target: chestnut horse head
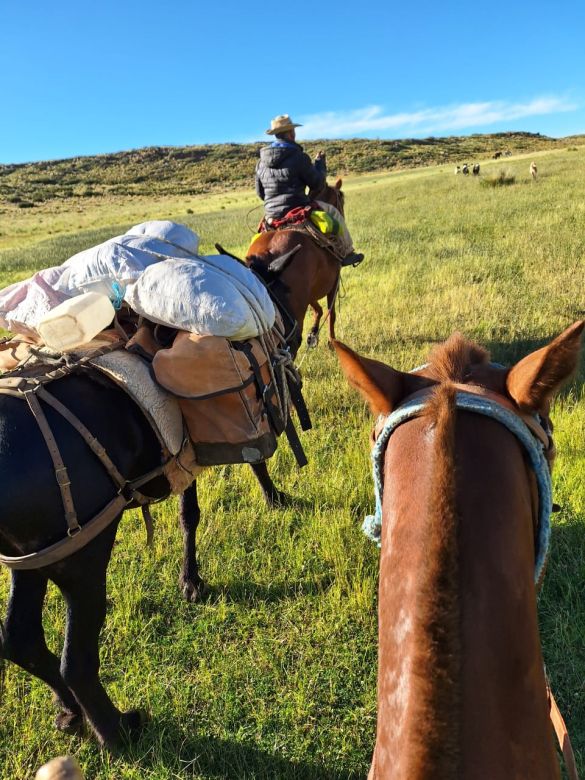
[[310, 274], [332, 195], [461, 686]]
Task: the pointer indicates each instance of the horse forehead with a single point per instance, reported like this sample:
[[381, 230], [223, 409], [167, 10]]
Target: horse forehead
[[488, 375]]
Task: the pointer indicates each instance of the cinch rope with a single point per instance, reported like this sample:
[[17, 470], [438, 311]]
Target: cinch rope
[[372, 525]]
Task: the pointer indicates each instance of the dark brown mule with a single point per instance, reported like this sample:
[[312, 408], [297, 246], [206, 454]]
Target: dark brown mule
[[461, 687], [313, 272]]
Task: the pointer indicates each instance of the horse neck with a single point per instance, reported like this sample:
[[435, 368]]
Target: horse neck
[[332, 196], [460, 684]]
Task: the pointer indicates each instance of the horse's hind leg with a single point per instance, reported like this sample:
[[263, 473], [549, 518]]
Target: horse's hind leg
[[82, 582], [191, 583], [331, 296], [24, 643], [313, 336]]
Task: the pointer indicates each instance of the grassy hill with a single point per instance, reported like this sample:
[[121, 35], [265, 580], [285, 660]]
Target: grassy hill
[[192, 170], [274, 676]]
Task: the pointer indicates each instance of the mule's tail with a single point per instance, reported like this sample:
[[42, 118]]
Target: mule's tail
[[440, 641]]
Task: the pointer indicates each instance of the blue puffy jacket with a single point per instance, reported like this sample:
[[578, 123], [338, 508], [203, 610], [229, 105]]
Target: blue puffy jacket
[[282, 174]]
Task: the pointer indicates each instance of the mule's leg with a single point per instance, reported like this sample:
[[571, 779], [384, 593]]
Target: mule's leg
[[82, 581], [313, 336], [192, 585], [24, 643], [273, 496]]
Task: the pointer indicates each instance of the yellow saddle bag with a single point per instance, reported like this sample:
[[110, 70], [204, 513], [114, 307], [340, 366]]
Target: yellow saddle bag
[[325, 223]]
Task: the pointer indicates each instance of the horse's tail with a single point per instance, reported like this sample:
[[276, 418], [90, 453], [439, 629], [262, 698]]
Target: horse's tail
[[440, 604]]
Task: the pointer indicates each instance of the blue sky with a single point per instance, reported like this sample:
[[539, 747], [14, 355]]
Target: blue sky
[[86, 78]]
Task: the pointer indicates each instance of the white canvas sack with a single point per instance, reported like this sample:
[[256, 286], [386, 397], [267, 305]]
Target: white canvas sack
[[110, 266], [24, 304], [212, 296]]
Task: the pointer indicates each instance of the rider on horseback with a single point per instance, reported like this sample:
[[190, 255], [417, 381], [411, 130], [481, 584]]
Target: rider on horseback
[[282, 174]]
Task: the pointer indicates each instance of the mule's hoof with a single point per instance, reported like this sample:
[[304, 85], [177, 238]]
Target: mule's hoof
[[312, 339], [124, 730], [132, 722], [278, 499], [69, 722], [193, 591]]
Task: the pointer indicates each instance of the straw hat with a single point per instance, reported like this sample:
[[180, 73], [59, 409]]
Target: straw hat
[[281, 124], [62, 768]]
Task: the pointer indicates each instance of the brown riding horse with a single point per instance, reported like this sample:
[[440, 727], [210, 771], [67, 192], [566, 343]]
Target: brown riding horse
[[461, 686], [313, 272]]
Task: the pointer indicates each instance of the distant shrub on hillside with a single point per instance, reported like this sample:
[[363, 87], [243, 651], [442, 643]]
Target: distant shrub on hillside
[[501, 179]]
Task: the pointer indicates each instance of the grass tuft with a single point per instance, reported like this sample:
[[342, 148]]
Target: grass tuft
[[502, 179]]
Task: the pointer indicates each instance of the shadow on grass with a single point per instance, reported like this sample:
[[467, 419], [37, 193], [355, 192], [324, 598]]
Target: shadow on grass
[[561, 611], [252, 593], [221, 758], [509, 353]]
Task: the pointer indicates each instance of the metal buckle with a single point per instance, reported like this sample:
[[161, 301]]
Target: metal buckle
[[127, 492], [62, 479]]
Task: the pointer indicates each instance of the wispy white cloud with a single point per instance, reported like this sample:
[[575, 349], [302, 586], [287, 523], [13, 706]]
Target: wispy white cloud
[[374, 120]]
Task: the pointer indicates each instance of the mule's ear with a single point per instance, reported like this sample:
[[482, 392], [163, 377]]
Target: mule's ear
[[535, 379], [382, 387], [338, 184], [278, 265]]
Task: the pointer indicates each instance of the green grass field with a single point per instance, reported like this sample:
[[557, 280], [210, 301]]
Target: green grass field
[[274, 675]]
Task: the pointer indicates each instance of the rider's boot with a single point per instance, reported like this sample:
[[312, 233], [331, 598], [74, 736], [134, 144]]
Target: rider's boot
[[353, 259]]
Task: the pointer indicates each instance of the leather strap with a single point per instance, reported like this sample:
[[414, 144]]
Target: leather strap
[[94, 445], [299, 404], [295, 443], [69, 544], [563, 738], [61, 474]]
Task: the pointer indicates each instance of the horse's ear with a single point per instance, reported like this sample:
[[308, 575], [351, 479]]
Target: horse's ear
[[382, 386], [338, 184], [535, 379]]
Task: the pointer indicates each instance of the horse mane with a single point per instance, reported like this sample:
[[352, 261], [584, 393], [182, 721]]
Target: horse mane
[[452, 360], [438, 644]]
